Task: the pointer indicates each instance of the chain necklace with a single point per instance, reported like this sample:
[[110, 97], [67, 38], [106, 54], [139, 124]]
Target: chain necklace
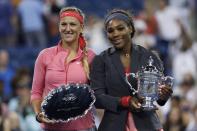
[[127, 55]]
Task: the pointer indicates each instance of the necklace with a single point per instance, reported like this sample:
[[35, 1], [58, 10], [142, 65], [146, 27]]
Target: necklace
[[127, 55]]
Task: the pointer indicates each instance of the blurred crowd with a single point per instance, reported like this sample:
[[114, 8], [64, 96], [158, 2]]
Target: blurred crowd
[[166, 26]]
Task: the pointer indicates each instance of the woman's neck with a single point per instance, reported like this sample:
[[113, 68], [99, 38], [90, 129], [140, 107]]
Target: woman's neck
[[126, 51], [71, 46]]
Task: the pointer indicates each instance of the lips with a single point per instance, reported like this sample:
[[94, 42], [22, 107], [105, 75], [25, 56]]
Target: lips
[[68, 34], [117, 41]]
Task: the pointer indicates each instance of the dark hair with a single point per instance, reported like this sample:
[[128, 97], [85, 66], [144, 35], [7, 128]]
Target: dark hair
[[166, 2], [127, 15]]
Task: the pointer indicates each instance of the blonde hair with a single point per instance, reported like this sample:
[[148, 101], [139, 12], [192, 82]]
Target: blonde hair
[[85, 62], [72, 8], [85, 53]]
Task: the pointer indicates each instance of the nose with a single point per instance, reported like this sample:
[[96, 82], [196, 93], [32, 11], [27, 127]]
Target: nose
[[67, 28], [115, 33]]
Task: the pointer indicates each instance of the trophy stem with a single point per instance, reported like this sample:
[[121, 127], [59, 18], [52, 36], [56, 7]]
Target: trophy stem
[[148, 104]]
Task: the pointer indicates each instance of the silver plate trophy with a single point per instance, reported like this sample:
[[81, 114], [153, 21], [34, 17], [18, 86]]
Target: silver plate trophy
[[68, 102], [148, 80]]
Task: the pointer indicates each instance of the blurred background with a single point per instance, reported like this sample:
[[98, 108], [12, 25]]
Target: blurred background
[[28, 26]]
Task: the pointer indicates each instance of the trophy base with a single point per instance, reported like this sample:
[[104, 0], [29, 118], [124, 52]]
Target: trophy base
[[149, 108], [148, 105]]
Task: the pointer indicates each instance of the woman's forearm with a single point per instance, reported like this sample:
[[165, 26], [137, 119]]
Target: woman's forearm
[[37, 105]]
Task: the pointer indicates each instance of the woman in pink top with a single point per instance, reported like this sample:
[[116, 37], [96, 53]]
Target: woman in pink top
[[68, 62]]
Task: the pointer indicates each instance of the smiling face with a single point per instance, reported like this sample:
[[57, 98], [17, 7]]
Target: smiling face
[[69, 29], [119, 33]]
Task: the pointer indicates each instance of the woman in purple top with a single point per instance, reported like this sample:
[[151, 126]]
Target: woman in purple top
[[67, 62]]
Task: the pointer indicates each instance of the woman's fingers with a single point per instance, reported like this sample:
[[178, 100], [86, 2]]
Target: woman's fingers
[[165, 92], [135, 105], [44, 119]]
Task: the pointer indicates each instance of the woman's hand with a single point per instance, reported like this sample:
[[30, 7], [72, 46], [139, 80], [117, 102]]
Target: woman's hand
[[135, 104], [165, 92], [41, 118]]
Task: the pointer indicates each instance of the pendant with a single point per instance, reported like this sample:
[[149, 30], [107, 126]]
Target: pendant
[[127, 55]]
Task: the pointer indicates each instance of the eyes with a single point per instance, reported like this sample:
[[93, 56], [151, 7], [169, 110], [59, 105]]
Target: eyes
[[72, 24], [118, 28]]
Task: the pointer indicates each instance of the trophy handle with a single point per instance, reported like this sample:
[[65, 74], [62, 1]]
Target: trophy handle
[[127, 81], [168, 80], [131, 74]]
